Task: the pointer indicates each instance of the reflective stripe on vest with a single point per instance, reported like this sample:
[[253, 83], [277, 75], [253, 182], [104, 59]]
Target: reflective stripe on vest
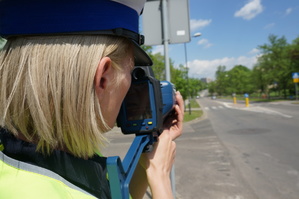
[[45, 174]]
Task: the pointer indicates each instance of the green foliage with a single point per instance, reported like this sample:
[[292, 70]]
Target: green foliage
[[179, 79], [194, 115], [293, 54], [195, 86], [237, 80], [158, 67], [276, 65], [272, 73], [275, 62], [179, 76], [186, 85]]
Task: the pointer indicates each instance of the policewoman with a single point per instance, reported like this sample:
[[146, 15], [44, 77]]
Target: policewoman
[[64, 71]]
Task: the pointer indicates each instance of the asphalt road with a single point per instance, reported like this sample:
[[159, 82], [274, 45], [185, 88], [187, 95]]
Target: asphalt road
[[262, 141], [234, 152]]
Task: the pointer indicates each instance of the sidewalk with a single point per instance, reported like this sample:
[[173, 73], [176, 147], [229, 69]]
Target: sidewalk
[[203, 165]]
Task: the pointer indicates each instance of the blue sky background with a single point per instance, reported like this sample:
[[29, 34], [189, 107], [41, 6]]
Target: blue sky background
[[231, 32]]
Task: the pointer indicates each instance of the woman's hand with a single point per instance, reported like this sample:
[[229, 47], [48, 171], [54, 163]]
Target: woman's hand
[[174, 122], [158, 163]]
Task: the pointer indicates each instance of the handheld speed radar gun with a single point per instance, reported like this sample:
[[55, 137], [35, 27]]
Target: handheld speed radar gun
[[143, 111], [146, 104]]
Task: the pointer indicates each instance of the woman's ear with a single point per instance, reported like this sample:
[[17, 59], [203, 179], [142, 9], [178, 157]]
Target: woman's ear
[[103, 75]]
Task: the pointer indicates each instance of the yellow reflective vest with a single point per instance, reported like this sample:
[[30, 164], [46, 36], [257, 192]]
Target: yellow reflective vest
[[25, 173], [22, 180]]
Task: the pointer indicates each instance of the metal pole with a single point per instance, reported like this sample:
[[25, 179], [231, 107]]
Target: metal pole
[[296, 90], [165, 38], [167, 70], [188, 87]]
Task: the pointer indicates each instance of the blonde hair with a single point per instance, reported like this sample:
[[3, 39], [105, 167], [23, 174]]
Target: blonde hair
[[47, 90]]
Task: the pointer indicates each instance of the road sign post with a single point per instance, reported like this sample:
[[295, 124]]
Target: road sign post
[[166, 22], [235, 98], [246, 99], [296, 90], [296, 80]]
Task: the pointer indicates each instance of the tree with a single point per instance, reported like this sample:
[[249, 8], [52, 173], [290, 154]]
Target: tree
[[158, 66], [293, 54], [221, 83], [179, 78], [158, 63], [178, 75], [257, 80], [212, 87], [236, 80], [239, 80], [272, 72], [276, 63], [195, 86]]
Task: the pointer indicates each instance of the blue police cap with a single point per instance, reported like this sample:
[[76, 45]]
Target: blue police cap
[[57, 17]]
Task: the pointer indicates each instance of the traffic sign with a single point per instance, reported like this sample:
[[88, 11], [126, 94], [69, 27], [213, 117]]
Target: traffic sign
[[178, 22], [295, 77]]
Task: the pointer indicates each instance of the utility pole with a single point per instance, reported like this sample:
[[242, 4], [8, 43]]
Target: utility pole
[[167, 71], [165, 38], [187, 69]]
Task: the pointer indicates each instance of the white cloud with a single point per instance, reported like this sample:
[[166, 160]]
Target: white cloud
[[200, 23], [205, 43], [270, 25], [288, 11], [158, 49], [207, 68], [254, 51], [250, 10]]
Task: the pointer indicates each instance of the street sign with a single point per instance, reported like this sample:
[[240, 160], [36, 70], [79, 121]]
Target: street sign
[[295, 77], [152, 23], [178, 22]]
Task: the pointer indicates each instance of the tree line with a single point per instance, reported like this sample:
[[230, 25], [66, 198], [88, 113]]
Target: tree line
[[271, 75]]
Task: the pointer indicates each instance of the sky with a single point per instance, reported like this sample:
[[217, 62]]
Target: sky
[[231, 31]]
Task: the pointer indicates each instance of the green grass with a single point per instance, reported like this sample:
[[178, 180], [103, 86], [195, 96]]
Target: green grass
[[194, 104], [194, 115]]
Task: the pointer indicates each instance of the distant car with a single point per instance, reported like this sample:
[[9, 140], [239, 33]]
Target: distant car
[[213, 97], [197, 97]]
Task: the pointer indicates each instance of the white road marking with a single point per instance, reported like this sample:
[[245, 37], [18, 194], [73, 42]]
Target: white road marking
[[257, 109]]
